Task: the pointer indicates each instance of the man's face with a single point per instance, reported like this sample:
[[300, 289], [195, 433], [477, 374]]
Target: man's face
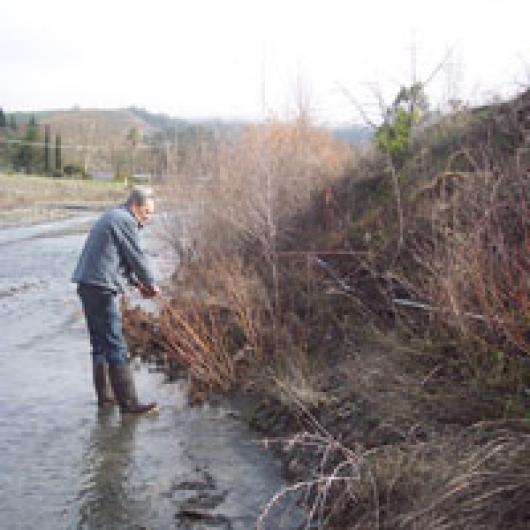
[[144, 212]]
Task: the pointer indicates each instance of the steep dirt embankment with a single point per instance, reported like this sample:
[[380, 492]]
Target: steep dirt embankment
[[379, 334]]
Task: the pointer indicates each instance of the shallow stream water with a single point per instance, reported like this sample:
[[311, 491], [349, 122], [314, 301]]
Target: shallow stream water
[[63, 464]]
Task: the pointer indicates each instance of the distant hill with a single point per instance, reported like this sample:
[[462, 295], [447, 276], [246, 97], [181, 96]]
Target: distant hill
[[96, 126], [96, 139], [99, 140], [160, 122], [353, 134]]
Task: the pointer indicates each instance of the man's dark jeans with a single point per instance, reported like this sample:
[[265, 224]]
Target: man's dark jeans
[[103, 318]]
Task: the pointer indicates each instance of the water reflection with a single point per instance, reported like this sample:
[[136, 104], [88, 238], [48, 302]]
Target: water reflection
[[104, 501]]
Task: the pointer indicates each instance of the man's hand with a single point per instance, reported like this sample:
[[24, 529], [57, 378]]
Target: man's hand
[[149, 291]]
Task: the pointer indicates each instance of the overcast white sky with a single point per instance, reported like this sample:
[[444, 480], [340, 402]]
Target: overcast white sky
[[243, 59]]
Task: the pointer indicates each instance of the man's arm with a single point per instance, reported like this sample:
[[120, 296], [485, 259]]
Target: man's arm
[[137, 266]]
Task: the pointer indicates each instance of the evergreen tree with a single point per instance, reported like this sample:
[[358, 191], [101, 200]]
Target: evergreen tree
[[3, 119], [29, 155], [46, 149], [58, 154]]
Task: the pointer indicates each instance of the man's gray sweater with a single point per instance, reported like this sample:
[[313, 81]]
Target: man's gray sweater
[[112, 255]]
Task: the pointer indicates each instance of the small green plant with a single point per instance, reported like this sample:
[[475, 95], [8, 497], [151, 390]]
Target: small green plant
[[498, 359], [393, 136]]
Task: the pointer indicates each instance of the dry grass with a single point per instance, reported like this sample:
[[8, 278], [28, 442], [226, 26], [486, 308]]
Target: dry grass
[[475, 479], [476, 257], [296, 382], [19, 191], [30, 199]]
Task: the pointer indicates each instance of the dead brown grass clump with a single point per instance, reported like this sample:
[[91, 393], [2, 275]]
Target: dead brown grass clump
[[474, 479]]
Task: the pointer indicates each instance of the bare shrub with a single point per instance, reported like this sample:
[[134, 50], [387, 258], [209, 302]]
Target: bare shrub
[[139, 330], [199, 339], [262, 178], [244, 294], [258, 182], [240, 290], [218, 323]]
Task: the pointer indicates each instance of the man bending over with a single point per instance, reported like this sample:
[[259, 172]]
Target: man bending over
[[112, 258]]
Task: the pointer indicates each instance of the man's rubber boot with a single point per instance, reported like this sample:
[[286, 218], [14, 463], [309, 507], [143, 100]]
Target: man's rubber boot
[[102, 384], [121, 378]]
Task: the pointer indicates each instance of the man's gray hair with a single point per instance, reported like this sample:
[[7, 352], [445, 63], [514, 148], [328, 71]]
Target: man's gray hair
[[140, 194]]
